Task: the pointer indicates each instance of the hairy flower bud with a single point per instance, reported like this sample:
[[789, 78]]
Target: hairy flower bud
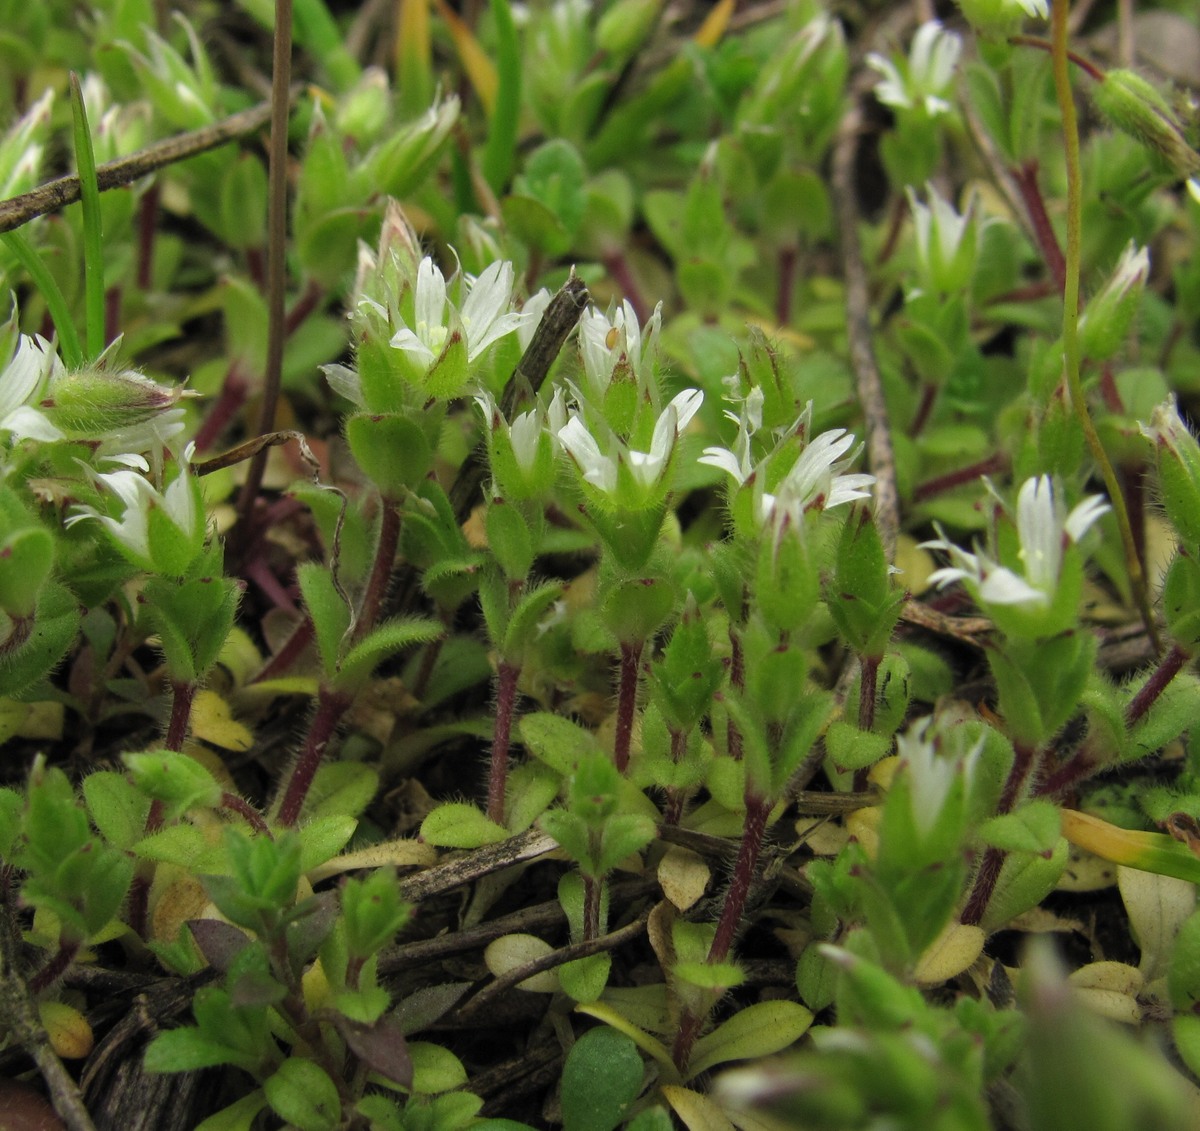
[[1134, 106]]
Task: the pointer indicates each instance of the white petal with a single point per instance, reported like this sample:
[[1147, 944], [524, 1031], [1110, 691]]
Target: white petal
[[1003, 587], [686, 405], [1082, 517], [25, 422], [430, 299], [725, 460]]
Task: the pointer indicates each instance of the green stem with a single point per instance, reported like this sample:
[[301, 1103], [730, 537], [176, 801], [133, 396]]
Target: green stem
[[93, 234], [60, 313], [1071, 350]]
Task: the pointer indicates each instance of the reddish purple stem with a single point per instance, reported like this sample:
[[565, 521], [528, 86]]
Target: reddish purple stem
[[507, 676], [631, 662]]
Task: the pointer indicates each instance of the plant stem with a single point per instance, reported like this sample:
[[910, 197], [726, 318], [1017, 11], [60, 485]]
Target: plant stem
[[788, 261], [969, 474], [55, 968], [244, 809], [754, 828], [758, 809], [507, 675], [183, 692], [592, 890], [1060, 13], [381, 569], [627, 690], [1025, 177], [331, 705], [1168, 668], [277, 234]]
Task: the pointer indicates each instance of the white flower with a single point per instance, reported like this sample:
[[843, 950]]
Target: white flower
[[601, 468], [947, 241], [140, 497], [931, 774], [928, 71], [1042, 526], [20, 382], [484, 318], [608, 342]]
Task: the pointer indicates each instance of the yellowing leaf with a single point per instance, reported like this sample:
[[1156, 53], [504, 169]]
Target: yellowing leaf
[[683, 875], [213, 721], [397, 853], [69, 1032], [510, 952], [758, 1030], [710, 31], [30, 720], [955, 949], [697, 1112], [480, 70]]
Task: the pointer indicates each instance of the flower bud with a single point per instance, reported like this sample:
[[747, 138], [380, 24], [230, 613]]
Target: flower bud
[[94, 401], [1135, 107], [1177, 458], [1105, 323]]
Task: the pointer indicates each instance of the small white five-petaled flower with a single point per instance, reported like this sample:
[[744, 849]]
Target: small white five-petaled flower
[[485, 316], [1044, 528], [179, 503], [818, 480], [601, 467], [923, 80]]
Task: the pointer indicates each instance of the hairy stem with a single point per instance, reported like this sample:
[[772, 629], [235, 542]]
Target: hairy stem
[[331, 706], [183, 692], [507, 675], [1168, 668], [627, 691]]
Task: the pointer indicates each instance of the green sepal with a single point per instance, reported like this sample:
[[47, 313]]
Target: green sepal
[[1181, 601], [510, 538], [787, 582], [634, 609], [26, 559], [392, 449], [861, 598]]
